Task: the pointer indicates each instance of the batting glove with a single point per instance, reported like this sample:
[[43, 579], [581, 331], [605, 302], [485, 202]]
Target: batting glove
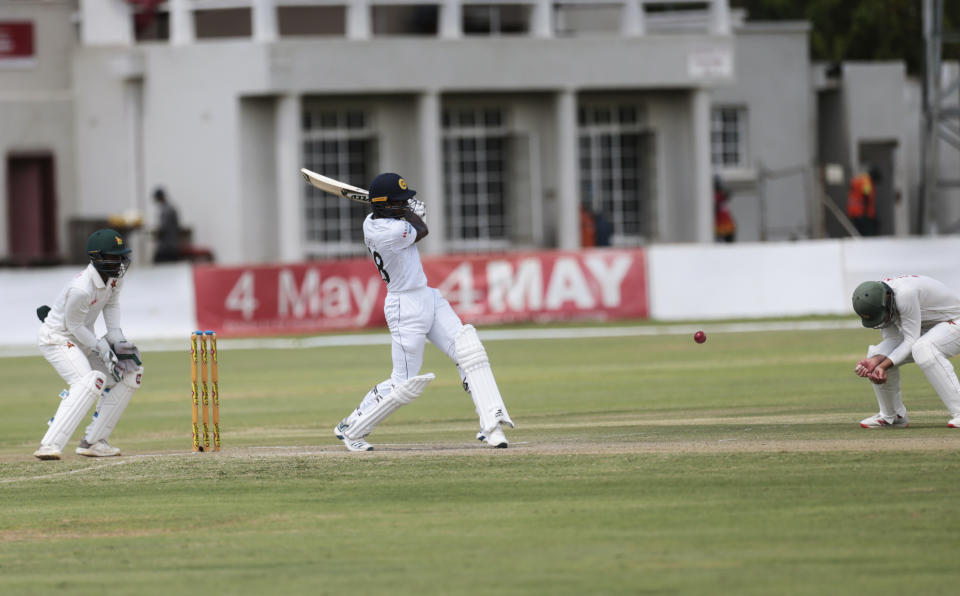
[[417, 207]]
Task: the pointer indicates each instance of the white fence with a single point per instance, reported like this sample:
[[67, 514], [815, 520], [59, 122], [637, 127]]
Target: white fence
[[685, 283], [157, 302], [691, 282]]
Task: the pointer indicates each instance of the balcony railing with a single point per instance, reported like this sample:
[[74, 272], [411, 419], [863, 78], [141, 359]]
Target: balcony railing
[[185, 21]]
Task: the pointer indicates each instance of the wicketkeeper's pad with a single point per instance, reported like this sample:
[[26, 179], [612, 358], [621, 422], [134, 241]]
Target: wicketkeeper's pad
[[113, 401], [73, 407]]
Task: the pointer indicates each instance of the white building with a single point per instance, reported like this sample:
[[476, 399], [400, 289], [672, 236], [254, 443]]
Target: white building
[[504, 116]]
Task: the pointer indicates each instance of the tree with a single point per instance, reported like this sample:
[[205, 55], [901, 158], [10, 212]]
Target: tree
[[859, 29]]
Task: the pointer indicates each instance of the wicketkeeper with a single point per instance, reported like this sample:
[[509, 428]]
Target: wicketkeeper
[[919, 321], [416, 313], [106, 370]]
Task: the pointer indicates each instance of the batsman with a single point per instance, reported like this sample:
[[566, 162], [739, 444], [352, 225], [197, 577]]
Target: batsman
[[416, 313], [103, 370]]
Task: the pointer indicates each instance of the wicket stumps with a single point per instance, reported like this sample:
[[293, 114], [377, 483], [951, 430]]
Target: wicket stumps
[[201, 394]]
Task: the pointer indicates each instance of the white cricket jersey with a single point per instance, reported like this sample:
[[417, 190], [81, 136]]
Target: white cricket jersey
[[921, 303], [80, 303], [391, 243]]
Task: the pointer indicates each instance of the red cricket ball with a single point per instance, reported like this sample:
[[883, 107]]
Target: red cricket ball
[[699, 337]]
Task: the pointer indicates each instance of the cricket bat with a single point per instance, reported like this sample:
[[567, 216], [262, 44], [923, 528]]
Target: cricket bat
[[335, 187]]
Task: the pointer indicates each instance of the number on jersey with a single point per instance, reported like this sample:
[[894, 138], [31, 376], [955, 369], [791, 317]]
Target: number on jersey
[[378, 261]]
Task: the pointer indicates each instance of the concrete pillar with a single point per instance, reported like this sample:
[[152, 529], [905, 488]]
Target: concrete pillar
[[430, 184], [290, 186], [720, 17], [182, 31], [634, 19], [541, 19], [451, 19], [702, 183], [901, 196], [568, 193], [133, 122], [106, 23], [264, 17], [138, 203], [358, 20]]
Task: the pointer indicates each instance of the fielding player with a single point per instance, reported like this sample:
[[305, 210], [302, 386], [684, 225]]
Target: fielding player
[[416, 313], [104, 370], [919, 321]]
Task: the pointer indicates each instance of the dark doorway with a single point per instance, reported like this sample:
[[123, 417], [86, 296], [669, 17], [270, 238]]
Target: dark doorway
[[31, 209]]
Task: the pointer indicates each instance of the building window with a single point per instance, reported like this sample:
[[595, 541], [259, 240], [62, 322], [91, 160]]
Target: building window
[[405, 19], [495, 19], [616, 172], [339, 143], [150, 24], [311, 20], [583, 18], [728, 137], [475, 143], [223, 22]]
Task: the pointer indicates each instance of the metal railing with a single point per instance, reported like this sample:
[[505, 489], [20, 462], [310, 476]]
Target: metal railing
[[635, 17]]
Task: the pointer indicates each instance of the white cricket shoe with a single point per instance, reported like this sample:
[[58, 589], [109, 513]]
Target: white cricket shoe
[[954, 422], [495, 439], [47, 452], [878, 421], [352, 444], [99, 449]]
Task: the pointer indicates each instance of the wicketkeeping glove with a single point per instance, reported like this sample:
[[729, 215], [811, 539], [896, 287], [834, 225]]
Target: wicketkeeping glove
[[128, 356], [110, 360]]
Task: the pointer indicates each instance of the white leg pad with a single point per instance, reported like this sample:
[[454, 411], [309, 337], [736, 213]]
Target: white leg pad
[[111, 405], [380, 389], [362, 422], [888, 395], [474, 364], [940, 373], [73, 408]]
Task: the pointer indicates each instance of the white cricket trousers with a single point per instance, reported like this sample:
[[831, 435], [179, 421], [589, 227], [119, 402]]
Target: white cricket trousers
[[932, 353], [414, 317], [71, 361]]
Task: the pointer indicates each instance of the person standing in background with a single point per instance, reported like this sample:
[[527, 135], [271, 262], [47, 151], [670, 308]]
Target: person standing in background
[[588, 230], [725, 229], [862, 202], [167, 233]]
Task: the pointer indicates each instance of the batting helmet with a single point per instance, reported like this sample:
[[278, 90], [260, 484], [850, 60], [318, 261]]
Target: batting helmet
[[108, 253], [389, 194]]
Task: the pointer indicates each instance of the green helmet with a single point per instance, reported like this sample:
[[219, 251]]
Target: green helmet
[[873, 301], [108, 252]]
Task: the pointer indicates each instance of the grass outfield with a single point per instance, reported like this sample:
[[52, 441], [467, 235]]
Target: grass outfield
[[640, 465]]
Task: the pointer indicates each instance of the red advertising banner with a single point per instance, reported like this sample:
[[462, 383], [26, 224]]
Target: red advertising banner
[[16, 40], [484, 289]]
